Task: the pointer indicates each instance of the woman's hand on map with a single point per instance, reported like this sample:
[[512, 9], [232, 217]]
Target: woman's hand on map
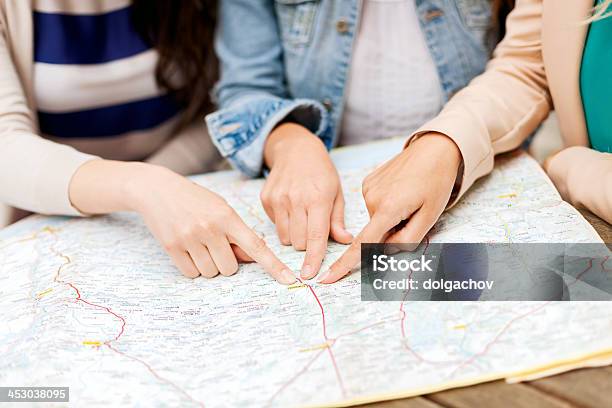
[[405, 197], [302, 195], [202, 234]]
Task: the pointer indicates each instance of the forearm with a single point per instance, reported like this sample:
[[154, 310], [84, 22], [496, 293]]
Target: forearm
[[499, 109], [35, 173], [105, 186]]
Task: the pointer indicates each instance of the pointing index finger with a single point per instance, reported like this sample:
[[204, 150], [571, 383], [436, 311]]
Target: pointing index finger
[[257, 249], [373, 232], [316, 239]]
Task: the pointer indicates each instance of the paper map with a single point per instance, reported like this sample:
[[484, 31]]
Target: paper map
[[96, 305]]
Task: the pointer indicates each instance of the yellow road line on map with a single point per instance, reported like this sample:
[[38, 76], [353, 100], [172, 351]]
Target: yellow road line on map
[[460, 327], [44, 292], [315, 348], [297, 285], [511, 195], [92, 343], [31, 237]]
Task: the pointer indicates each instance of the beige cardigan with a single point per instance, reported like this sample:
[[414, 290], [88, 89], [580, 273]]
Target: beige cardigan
[[35, 173], [536, 66]]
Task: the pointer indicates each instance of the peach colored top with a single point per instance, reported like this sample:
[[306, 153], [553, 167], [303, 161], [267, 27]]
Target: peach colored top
[[535, 67]]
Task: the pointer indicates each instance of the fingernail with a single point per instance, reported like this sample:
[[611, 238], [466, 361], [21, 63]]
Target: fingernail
[[287, 277], [306, 272], [324, 276]]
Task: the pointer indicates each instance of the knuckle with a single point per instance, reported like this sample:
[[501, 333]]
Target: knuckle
[[371, 206], [207, 228], [432, 212], [264, 196], [323, 199], [296, 199], [367, 182], [321, 188], [186, 233], [368, 194], [317, 235], [280, 200], [258, 246], [329, 191], [335, 217], [345, 264], [387, 207], [172, 244], [225, 211]]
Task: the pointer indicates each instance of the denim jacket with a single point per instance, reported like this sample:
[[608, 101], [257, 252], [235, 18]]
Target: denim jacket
[[288, 60]]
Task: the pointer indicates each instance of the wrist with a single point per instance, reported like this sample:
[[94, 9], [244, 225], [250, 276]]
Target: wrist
[[140, 183], [289, 137], [104, 186], [442, 146]]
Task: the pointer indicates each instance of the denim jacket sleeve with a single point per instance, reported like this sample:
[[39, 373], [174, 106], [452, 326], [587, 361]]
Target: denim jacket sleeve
[[252, 93]]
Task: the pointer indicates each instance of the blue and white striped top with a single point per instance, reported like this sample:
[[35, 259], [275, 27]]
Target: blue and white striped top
[[94, 76]]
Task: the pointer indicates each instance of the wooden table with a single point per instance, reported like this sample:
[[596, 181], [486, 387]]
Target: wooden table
[[590, 387]]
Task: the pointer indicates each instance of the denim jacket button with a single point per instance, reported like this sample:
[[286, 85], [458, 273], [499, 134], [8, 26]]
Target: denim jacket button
[[342, 26], [328, 104]]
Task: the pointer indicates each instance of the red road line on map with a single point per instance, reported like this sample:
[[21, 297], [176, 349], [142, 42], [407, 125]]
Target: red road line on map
[[338, 377], [403, 313], [403, 318], [108, 343], [68, 261], [583, 272], [295, 377], [329, 346], [331, 341], [152, 371], [78, 298], [320, 307], [496, 338], [403, 330], [507, 326], [603, 266]]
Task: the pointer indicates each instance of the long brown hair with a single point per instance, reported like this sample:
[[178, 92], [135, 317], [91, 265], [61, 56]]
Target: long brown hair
[[182, 32]]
